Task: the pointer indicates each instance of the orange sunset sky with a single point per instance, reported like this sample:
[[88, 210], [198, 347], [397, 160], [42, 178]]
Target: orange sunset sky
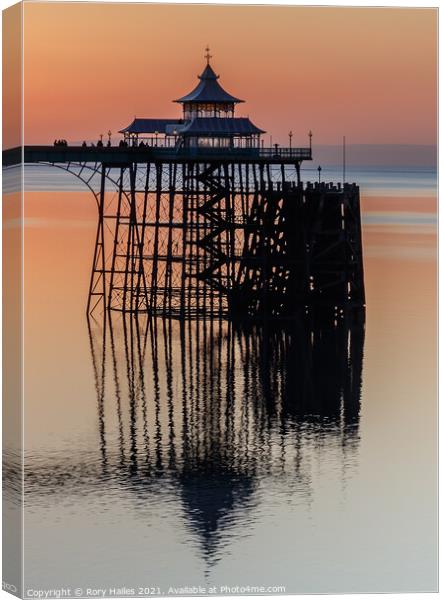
[[369, 74]]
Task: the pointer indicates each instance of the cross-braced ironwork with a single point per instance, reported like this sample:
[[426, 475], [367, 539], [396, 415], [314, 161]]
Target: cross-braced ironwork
[[225, 238]]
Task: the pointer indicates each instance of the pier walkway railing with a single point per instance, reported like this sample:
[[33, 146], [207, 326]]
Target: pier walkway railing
[[117, 154]]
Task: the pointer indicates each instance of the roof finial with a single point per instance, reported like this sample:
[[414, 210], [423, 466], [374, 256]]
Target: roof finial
[[208, 55]]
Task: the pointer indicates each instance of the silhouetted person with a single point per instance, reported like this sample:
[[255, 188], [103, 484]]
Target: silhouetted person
[[100, 144], [84, 145]]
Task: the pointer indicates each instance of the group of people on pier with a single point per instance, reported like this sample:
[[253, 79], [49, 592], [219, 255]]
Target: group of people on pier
[[100, 144]]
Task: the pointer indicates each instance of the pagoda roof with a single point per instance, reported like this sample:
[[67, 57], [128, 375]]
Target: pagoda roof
[[198, 125], [209, 90], [220, 126], [150, 125]]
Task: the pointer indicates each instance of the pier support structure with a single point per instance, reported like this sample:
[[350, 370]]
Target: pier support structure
[[220, 238]]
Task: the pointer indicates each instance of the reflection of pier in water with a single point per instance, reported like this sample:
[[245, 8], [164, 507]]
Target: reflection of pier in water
[[213, 416], [213, 408]]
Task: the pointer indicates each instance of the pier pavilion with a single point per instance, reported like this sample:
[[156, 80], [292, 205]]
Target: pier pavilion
[[208, 121]]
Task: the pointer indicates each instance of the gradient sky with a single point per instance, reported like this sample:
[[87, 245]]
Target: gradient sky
[[367, 73]]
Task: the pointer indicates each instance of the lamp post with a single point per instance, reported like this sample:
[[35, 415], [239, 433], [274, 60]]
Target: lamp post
[[109, 136], [290, 135], [310, 135], [319, 171]]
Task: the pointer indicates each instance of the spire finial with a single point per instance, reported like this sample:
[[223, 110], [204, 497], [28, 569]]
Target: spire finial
[[208, 55]]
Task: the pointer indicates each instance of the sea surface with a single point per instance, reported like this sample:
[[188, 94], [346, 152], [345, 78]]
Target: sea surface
[[169, 456]]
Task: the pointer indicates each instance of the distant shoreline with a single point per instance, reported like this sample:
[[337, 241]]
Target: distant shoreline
[[377, 155]]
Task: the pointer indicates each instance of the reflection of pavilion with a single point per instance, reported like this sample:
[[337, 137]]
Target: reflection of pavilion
[[212, 408]]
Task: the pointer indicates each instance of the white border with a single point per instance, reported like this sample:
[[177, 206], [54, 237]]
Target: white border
[[363, 3]]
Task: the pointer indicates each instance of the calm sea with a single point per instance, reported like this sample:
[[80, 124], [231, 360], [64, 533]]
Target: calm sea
[[200, 455]]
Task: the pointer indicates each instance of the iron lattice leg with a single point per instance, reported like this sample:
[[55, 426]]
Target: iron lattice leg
[[118, 276], [97, 286]]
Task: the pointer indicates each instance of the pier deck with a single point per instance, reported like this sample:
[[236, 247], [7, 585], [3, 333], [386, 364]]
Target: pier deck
[[115, 155]]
